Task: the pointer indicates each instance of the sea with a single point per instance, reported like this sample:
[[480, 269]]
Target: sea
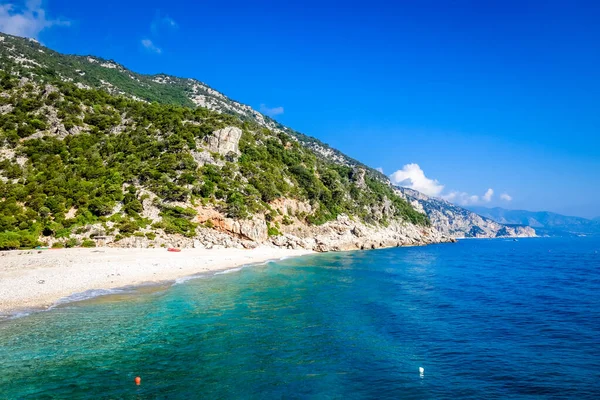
[[478, 319]]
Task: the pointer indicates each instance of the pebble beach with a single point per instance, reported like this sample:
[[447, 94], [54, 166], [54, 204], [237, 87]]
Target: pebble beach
[[37, 279]]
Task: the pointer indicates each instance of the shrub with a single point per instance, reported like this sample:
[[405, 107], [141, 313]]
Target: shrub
[[273, 231], [62, 233], [100, 207], [71, 242], [127, 227], [178, 225], [29, 240], [88, 243], [9, 241]]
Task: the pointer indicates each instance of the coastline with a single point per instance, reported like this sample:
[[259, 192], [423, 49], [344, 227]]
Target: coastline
[[38, 279], [501, 237]]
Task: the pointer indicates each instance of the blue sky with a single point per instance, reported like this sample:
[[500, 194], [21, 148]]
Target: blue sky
[[458, 97]]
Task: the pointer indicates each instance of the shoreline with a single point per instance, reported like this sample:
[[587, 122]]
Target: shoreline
[[501, 237], [33, 280]]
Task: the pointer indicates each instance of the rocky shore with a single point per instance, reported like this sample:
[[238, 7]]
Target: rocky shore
[[340, 235]]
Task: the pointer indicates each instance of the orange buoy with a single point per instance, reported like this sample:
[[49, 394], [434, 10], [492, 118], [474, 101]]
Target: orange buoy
[[138, 380]]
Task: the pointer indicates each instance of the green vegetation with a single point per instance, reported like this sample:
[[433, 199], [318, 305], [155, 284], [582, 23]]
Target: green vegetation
[[273, 231], [71, 158], [51, 66]]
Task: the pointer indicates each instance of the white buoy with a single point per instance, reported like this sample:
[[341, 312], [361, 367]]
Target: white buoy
[[421, 371]]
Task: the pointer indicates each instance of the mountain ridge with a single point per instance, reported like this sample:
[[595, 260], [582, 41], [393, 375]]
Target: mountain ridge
[[209, 172], [91, 152], [92, 71], [459, 222], [546, 222]]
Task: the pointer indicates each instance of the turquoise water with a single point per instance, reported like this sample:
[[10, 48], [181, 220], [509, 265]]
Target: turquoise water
[[484, 318]]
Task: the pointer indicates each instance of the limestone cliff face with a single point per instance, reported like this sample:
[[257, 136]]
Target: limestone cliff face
[[348, 234], [457, 222], [340, 235], [344, 233], [225, 141]]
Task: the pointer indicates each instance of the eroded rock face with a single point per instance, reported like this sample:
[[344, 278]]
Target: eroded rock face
[[204, 157], [215, 230], [291, 206], [246, 229], [348, 234], [252, 229], [358, 175], [225, 141]]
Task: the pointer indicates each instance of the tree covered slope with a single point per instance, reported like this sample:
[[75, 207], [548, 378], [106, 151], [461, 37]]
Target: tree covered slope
[[88, 148], [27, 57]]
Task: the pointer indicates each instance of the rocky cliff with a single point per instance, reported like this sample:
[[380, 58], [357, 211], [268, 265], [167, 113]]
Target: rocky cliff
[[458, 222]]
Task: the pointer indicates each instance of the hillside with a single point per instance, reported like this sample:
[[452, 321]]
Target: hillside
[[26, 57], [543, 221], [91, 152], [456, 221]]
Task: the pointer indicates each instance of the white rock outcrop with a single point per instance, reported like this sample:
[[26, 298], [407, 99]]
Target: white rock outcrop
[[225, 141]]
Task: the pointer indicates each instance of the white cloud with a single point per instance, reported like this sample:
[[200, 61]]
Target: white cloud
[[150, 46], [413, 177], [452, 196], [160, 22], [506, 197], [461, 198], [271, 112], [466, 199], [27, 21], [379, 169], [487, 197]]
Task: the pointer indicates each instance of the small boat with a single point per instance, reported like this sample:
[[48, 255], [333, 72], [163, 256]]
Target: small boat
[[173, 249]]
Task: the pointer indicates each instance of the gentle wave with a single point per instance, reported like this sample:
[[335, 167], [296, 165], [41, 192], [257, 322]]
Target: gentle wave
[[20, 314], [237, 269], [229, 271], [87, 295], [187, 278], [75, 297]]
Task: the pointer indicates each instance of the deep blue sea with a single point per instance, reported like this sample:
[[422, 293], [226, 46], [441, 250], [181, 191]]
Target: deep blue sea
[[485, 319]]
